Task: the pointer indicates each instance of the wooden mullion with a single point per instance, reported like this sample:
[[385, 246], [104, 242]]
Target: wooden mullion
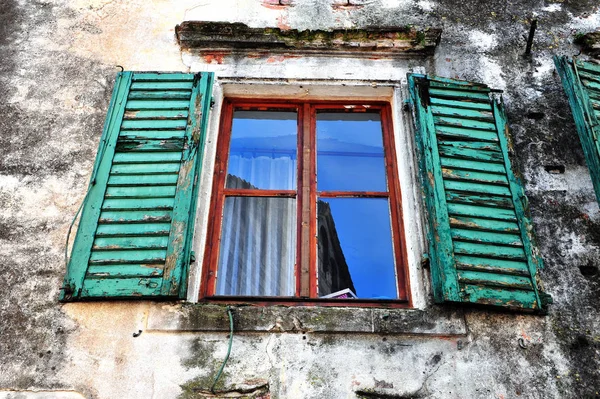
[[307, 224]]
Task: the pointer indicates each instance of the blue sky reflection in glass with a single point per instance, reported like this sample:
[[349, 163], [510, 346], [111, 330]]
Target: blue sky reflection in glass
[[350, 152], [350, 158], [263, 150]]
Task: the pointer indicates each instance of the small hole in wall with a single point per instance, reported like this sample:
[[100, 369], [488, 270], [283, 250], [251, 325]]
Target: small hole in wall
[[588, 270], [555, 169], [535, 115]]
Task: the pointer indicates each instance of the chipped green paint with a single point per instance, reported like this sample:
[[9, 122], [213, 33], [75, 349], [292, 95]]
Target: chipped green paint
[[584, 98], [479, 234], [134, 235]]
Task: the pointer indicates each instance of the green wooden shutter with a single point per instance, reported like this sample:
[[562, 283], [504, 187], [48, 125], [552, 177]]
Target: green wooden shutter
[[581, 81], [479, 233], [136, 226]]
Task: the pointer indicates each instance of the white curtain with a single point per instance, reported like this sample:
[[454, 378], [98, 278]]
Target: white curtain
[[258, 237]]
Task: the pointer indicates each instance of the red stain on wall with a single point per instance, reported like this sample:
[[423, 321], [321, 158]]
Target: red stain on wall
[[282, 22], [213, 58], [275, 58]]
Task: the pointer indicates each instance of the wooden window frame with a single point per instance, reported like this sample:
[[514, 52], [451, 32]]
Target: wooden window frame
[[306, 234]]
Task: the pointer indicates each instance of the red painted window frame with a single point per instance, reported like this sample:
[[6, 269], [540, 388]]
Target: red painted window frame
[[306, 235]]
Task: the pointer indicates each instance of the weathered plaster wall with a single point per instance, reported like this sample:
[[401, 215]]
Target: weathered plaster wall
[[58, 60]]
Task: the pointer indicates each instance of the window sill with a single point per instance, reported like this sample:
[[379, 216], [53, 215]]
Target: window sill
[[435, 321]]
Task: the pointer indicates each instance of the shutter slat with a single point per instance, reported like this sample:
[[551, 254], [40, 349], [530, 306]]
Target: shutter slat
[[138, 204], [460, 104], [143, 180], [153, 77], [463, 113], [152, 134], [137, 242], [146, 168], [122, 287], [479, 177], [481, 211], [480, 237], [137, 256], [455, 151], [131, 157], [150, 145], [591, 84], [483, 224], [473, 145], [133, 229], [473, 165], [160, 95], [487, 237], [134, 216], [492, 251], [124, 270], [464, 123], [157, 104], [478, 199], [500, 297], [153, 124], [163, 86], [161, 114], [459, 95], [465, 133], [141, 192], [494, 280], [476, 188], [503, 266]]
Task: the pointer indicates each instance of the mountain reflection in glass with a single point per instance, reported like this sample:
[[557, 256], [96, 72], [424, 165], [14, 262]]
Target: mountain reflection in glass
[[262, 153], [355, 247], [350, 152], [258, 242]]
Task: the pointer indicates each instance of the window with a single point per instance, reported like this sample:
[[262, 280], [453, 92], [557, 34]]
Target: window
[[305, 204]]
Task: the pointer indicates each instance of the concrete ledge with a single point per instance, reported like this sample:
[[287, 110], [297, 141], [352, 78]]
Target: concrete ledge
[[370, 42], [296, 319]]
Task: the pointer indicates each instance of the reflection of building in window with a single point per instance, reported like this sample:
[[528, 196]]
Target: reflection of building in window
[[247, 269], [333, 273], [255, 245]]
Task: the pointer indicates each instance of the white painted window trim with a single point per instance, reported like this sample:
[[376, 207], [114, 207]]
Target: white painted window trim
[[393, 92]]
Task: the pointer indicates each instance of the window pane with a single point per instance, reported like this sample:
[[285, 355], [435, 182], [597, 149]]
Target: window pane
[[350, 152], [263, 150], [355, 247], [258, 247]]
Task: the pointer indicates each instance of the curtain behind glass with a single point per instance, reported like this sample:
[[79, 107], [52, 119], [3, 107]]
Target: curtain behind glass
[[258, 243]]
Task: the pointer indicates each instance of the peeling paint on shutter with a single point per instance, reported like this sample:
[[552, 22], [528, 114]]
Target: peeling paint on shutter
[[581, 81], [136, 227], [480, 236]]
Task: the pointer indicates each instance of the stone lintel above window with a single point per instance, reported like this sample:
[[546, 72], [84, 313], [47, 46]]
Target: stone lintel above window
[[369, 42]]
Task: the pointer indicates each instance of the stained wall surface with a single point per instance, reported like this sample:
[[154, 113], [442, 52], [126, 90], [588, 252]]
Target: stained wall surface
[[58, 61]]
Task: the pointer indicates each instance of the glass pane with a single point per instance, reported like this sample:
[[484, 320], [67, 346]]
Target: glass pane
[[350, 152], [258, 247], [355, 247], [263, 150]]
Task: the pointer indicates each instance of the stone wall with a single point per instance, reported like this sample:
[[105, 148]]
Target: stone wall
[[58, 63]]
